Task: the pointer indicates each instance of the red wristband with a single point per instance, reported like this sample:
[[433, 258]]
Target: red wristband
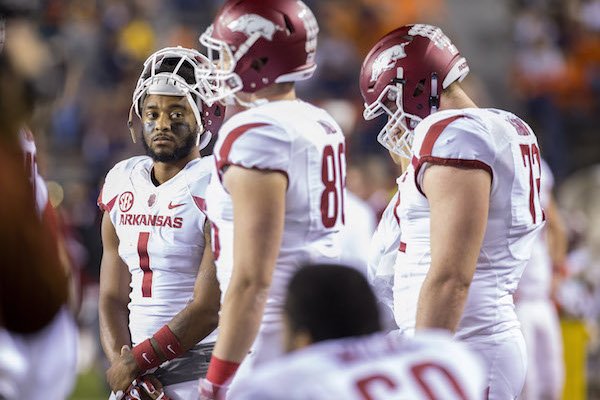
[[145, 356], [219, 371], [168, 343]]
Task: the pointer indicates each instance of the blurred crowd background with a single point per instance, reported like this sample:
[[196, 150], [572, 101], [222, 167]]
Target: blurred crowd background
[[539, 59]]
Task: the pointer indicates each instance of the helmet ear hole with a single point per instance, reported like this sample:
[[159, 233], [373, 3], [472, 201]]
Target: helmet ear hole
[[288, 25], [419, 88], [259, 63]]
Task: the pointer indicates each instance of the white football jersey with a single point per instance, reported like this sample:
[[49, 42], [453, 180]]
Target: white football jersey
[[356, 234], [536, 282], [502, 144], [383, 249], [161, 239], [307, 145], [429, 366], [37, 182]]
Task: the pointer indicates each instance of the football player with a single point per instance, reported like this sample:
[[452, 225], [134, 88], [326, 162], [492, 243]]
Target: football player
[[159, 298], [33, 284], [56, 344], [535, 309], [469, 199], [277, 192], [335, 352]]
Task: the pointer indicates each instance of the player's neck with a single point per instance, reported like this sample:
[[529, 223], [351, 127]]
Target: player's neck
[[275, 92], [163, 171], [455, 98], [404, 163]]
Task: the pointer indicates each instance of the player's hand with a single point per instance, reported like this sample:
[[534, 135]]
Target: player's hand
[[211, 391], [122, 371]]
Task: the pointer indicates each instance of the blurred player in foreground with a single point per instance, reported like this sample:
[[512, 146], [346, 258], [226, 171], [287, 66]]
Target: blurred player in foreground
[[276, 195], [469, 203], [37, 349], [335, 352], [158, 287]]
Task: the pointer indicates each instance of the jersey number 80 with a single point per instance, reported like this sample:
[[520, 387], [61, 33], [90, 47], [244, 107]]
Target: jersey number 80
[[333, 176]]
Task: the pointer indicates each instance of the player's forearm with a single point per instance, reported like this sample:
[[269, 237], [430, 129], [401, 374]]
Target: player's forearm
[[114, 329], [557, 244], [193, 323], [240, 320], [556, 234], [441, 303]]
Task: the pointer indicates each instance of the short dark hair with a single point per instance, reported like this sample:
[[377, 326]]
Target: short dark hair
[[168, 64], [331, 301]]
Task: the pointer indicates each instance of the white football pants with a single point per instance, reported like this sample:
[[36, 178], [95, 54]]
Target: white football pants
[[506, 361], [545, 372]]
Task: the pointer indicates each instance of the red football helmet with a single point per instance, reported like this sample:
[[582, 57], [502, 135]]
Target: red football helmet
[[254, 43], [409, 67]]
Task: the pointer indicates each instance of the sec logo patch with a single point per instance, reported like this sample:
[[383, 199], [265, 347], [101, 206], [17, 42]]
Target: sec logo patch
[[125, 201]]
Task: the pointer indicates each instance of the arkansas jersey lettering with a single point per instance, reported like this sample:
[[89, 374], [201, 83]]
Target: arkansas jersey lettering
[[151, 220]]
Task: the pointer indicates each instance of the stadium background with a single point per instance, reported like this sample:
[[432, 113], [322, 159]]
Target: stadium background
[[539, 59]]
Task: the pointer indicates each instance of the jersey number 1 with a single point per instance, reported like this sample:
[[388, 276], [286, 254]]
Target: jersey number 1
[[333, 176], [145, 263]]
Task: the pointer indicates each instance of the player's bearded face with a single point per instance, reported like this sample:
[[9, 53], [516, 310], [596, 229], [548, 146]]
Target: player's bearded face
[[169, 132]]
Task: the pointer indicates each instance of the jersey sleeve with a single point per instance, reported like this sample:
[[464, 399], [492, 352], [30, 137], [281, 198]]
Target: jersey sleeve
[[459, 141], [110, 189], [262, 145], [106, 200], [198, 179]]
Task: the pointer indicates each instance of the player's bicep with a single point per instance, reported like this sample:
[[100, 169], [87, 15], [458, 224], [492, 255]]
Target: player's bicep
[[459, 203], [114, 274]]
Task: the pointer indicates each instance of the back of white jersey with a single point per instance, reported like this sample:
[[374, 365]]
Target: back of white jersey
[[377, 367], [502, 144], [535, 284], [161, 239], [304, 143], [356, 234]]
